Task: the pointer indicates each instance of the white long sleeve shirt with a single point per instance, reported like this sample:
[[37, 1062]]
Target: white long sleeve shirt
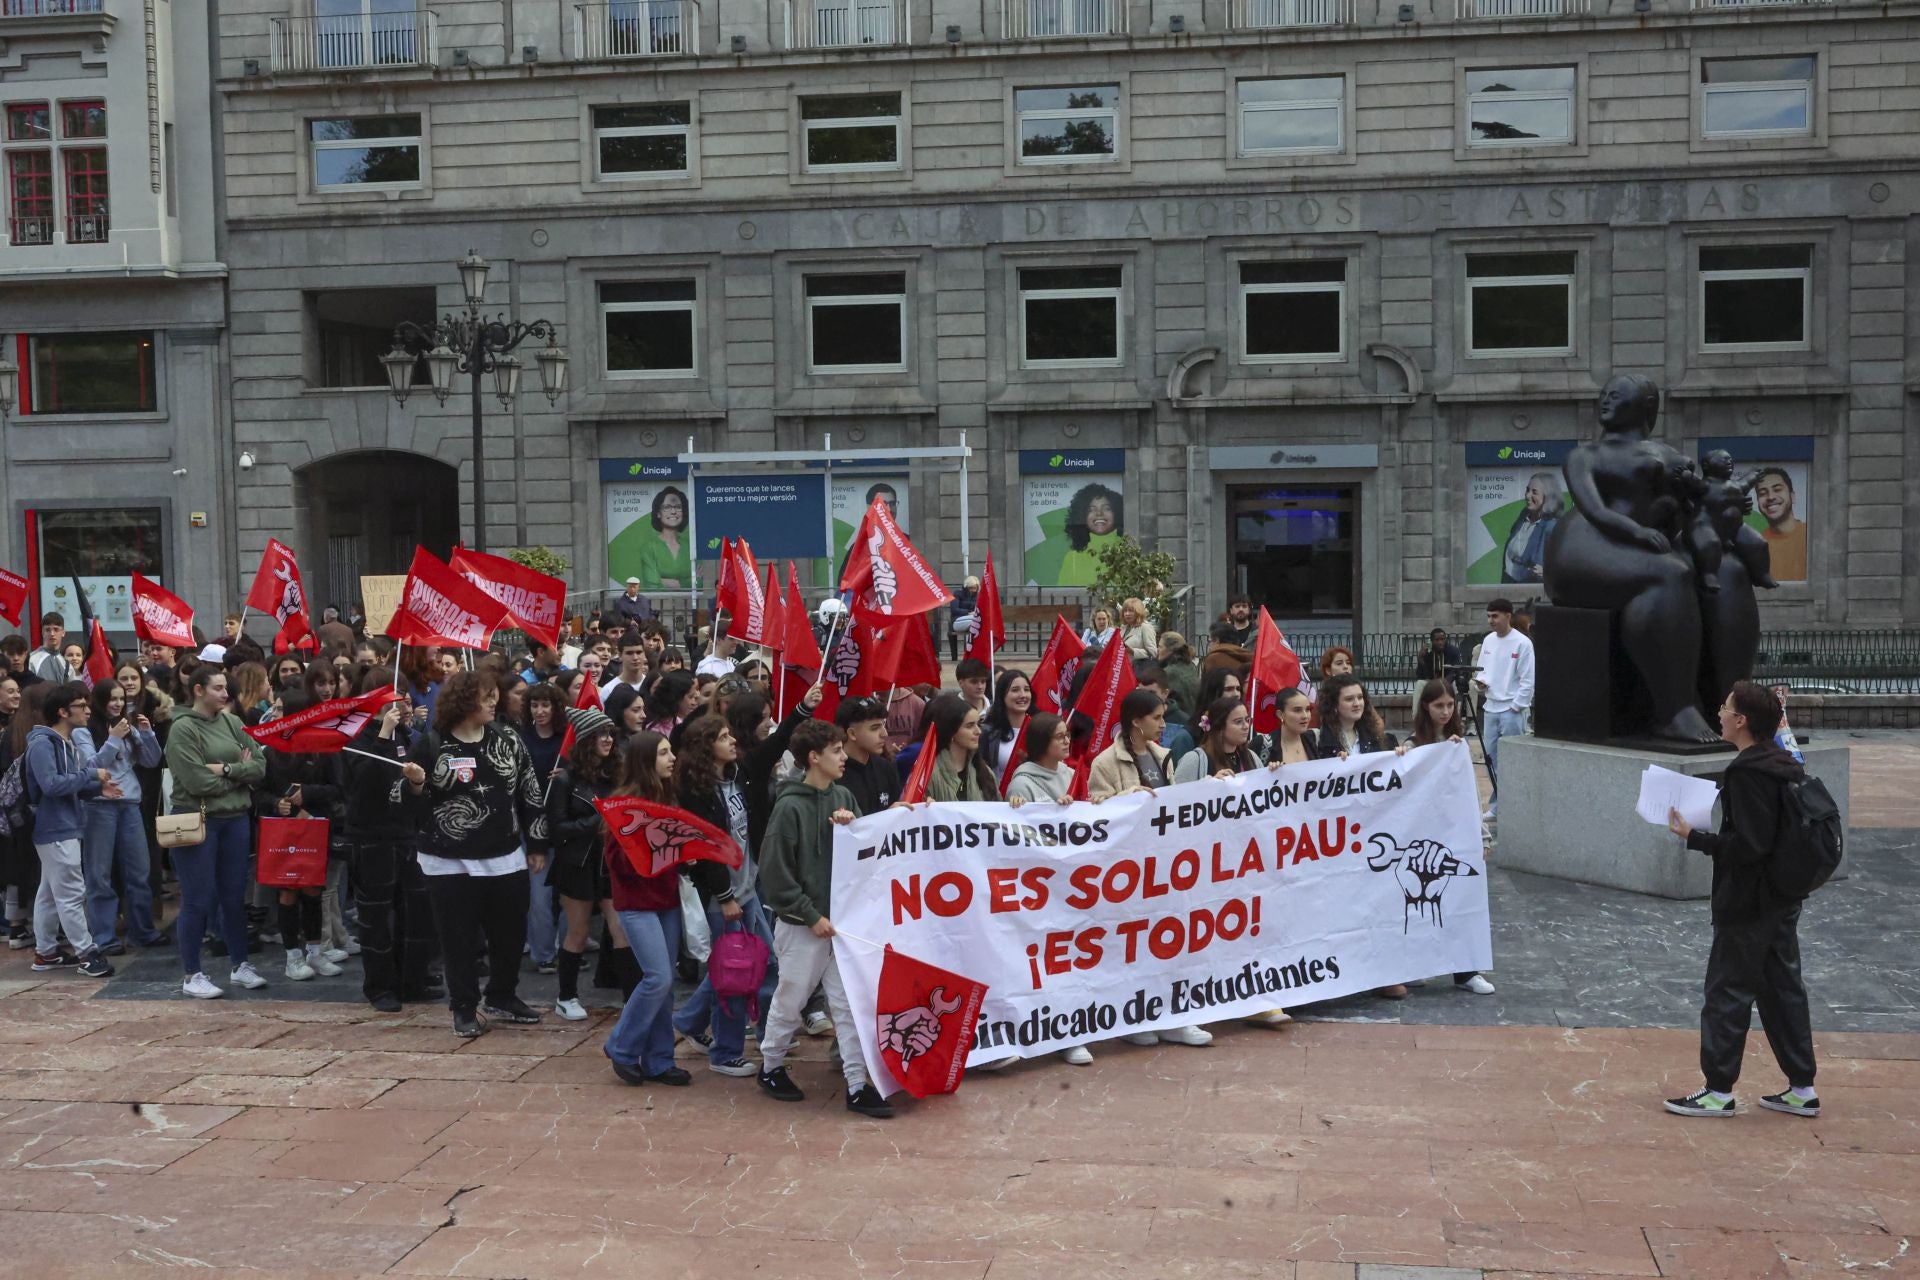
[[1506, 664]]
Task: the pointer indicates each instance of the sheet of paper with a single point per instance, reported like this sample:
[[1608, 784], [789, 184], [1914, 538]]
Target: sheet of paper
[[1663, 789]]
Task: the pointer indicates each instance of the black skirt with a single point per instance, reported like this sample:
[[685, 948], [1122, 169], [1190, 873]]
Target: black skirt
[[584, 880]]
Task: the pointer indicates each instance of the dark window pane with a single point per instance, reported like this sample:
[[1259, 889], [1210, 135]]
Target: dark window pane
[[93, 373], [1482, 265], [29, 122], [869, 144], [1292, 272], [83, 119], [1073, 328], [655, 154], [354, 328], [1069, 278], [648, 291], [363, 127], [1067, 99], [852, 286], [1748, 311], [111, 543], [1518, 317], [1293, 324], [648, 341], [1762, 257], [1737, 70], [850, 107], [857, 334], [354, 166], [1093, 137], [641, 115]]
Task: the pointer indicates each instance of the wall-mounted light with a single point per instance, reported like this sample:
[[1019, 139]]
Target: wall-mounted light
[[1406, 13], [1177, 24], [459, 57], [529, 53], [953, 33], [738, 44], [250, 67], [246, 459]]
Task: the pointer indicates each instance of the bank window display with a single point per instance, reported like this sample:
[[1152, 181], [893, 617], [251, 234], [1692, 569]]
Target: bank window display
[[1074, 506], [100, 549], [637, 141], [857, 323], [1516, 495], [650, 328], [1293, 312], [1520, 107], [1072, 125], [1756, 97], [1292, 116], [1520, 304], [1070, 317], [1755, 297], [365, 151], [1777, 473], [89, 372], [850, 133]]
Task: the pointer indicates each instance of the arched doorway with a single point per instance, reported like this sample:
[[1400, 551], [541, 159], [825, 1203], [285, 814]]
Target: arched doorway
[[360, 514]]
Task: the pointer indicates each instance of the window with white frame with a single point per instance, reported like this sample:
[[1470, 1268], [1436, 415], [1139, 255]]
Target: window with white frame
[[1075, 125], [1295, 115], [365, 151], [1756, 97], [642, 140], [650, 328], [41, 196], [1520, 304], [1293, 312], [1755, 297], [857, 323], [1520, 107], [1070, 316], [850, 133]]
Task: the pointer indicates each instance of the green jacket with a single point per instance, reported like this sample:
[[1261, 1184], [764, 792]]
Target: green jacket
[[796, 857], [196, 741]]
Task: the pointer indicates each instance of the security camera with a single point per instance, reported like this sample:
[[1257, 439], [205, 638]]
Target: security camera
[[246, 460], [178, 472]]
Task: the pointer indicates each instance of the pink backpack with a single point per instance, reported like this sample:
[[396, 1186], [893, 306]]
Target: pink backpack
[[737, 967]]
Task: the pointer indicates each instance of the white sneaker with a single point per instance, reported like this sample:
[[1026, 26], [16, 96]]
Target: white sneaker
[[298, 970], [353, 945], [1078, 1056], [201, 987], [323, 962], [818, 1024], [334, 955], [1145, 1039], [1476, 984], [571, 1010], [1195, 1036], [1271, 1018], [244, 976]]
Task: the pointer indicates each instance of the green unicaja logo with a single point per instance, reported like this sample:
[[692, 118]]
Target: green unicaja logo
[[1057, 460], [634, 468], [1506, 451], [713, 544]]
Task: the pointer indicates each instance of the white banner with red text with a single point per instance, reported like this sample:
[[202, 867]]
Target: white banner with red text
[[1198, 903]]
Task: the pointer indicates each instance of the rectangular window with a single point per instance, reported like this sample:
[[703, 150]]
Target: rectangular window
[[1068, 126], [651, 328], [857, 323], [1520, 107], [111, 543], [1293, 311], [86, 194], [1070, 316], [370, 151], [30, 197], [87, 119], [643, 141], [1756, 97], [1755, 298], [353, 328], [29, 122], [1520, 304], [92, 372], [851, 134], [1301, 115]]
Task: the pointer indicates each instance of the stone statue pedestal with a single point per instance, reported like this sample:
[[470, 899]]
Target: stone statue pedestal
[[1566, 811], [1585, 687]]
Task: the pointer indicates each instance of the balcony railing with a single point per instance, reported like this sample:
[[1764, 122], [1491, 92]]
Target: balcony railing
[[354, 42], [844, 24], [1048, 19], [1254, 15], [1467, 10], [636, 29], [90, 228], [49, 8], [24, 231]]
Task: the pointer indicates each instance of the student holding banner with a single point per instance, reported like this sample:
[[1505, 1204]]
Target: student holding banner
[[1006, 719], [959, 771], [1436, 719]]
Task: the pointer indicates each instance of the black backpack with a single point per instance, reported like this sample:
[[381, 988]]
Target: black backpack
[[1812, 840]]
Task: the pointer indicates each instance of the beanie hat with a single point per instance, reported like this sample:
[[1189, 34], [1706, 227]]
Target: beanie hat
[[588, 721]]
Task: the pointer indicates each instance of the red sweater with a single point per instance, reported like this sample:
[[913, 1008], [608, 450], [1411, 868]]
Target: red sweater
[[635, 892]]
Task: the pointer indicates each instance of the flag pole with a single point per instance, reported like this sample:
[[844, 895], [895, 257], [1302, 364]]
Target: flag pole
[[355, 751], [244, 608], [398, 645]]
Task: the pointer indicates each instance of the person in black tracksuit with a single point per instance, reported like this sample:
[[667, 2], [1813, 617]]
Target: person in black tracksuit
[[396, 921], [1756, 939]]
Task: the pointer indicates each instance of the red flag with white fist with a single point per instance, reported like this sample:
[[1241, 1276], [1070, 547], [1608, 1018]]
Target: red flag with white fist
[[926, 1016]]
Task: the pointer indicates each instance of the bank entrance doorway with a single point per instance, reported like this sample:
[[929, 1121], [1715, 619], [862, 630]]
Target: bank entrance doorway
[[1293, 550]]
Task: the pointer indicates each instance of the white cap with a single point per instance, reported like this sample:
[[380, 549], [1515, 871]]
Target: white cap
[[633, 582], [214, 653]]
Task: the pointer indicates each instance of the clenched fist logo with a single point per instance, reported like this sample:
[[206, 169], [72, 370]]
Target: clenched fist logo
[[846, 662], [885, 584], [666, 837], [915, 1031], [1424, 868]]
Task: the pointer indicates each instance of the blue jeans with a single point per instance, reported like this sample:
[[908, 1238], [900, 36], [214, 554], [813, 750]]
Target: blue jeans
[[729, 1017], [643, 1037], [213, 883], [1500, 724], [114, 836], [543, 933]]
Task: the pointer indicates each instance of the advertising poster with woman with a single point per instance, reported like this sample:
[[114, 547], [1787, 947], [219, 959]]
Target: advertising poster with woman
[[647, 534], [1515, 494], [1074, 504], [1780, 468]]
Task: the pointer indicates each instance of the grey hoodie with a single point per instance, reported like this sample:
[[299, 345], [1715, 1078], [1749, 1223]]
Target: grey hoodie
[[1033, 782], [59, 777]]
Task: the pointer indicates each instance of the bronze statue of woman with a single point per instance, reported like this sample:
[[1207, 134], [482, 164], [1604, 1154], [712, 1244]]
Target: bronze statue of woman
[[1615, 550]]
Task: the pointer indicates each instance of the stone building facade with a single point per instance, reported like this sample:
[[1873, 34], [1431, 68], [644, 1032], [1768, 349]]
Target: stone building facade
[[1317, 289]]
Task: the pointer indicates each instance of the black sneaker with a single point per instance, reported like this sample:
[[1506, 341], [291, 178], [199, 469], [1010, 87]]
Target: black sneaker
[[1702, 1103], [114, 948], [19, 937], [386, 1002], [1788, 1104], [546, 966], [702, 1038], [424, 995], [94, 966], [627, 1074], [465, 1025], [675, 1076], [779, 1086], [58, 960], [867, 1101], [513, 1009]]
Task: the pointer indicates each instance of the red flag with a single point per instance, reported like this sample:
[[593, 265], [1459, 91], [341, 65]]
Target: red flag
[[277, 592], [161, 616], [99, 656], [658, 837], [887, 576], [587, 699], [13, 595], [901, 655], [990, 624], [926, 1021], [844, 668], [1111, 681], [724, 582], [325, 727], [922, 776], [1053, 678], [1015, 758], [800, 657], [776, 612], [740, 594], [438, 606], [534, 600], [1275, 667]]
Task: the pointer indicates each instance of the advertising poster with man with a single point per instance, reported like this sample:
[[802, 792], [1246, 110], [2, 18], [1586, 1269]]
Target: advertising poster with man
[[851, 496], [1516, 493], [647, 523], [1074, 505], [1781, 471]]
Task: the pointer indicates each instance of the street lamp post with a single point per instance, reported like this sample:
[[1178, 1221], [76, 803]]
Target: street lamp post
[[476, 345]]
